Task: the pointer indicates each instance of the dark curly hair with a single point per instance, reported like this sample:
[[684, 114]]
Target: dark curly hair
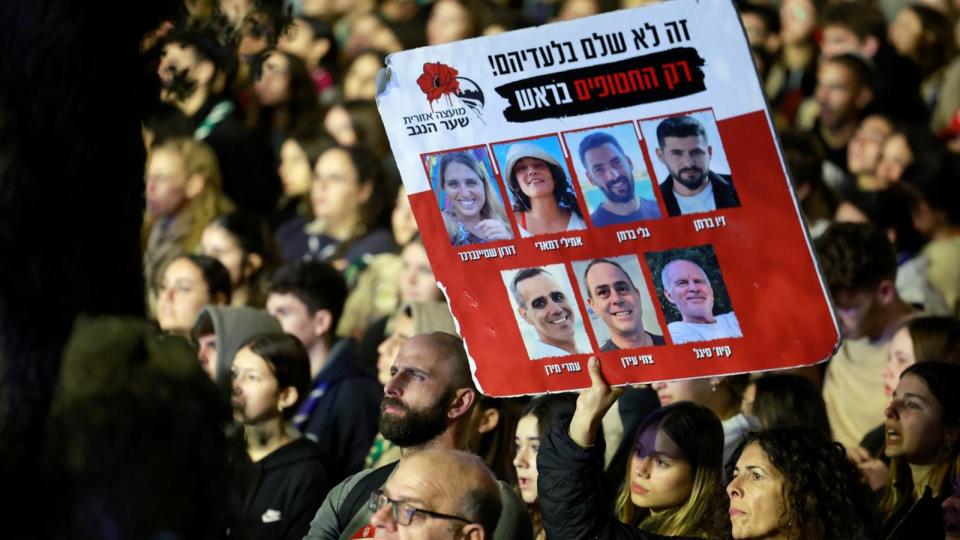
[[856, 257], [823, 495], [561, 192]]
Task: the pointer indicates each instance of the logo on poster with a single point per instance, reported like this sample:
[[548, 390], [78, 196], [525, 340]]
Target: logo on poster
[[442, 81]]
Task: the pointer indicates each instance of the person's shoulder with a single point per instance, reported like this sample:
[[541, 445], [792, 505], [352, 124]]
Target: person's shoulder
[[657, 340]]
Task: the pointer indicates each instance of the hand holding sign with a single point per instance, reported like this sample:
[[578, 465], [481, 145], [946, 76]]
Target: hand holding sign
[[592, 405]]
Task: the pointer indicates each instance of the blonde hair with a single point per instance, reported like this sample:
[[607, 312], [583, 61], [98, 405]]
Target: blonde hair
[[698, 432], [198, 158], [492, 207]]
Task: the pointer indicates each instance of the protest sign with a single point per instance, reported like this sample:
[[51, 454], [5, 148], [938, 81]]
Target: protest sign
[[611, 186]]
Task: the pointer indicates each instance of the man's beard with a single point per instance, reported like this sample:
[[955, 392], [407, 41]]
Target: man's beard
[[415, 427], [692, 183], [621, 198], [179, 86]]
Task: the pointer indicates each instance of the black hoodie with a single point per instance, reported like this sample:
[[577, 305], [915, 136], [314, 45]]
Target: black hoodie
[[282, 492]]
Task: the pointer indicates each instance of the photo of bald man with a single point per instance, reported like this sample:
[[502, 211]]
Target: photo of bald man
[[688, 278]]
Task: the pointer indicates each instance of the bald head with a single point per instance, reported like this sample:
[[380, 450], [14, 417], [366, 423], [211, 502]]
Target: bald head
[[451, 351], [687, 287], [463, 479]]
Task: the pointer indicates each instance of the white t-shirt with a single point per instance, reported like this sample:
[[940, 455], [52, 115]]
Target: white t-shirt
[[576, 223], [726, 326], [701, 202], [540, 349]]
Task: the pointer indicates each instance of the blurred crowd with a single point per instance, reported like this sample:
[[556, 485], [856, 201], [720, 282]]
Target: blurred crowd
[[281, 254]]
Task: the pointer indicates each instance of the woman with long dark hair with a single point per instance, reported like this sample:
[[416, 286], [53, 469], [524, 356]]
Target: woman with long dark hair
[[793, 483], [674, 480]]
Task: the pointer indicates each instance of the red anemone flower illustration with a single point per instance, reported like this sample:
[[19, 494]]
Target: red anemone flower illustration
[[438, 80]]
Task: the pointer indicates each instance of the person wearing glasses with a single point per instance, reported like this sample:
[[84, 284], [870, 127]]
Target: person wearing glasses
[[428, 404], [437, 493]]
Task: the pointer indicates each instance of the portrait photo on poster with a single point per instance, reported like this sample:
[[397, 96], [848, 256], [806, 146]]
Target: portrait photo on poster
[[546, 310], [691, 291], [468, 196], [612, 175], [689, 163], [539, 185], [619, 305]]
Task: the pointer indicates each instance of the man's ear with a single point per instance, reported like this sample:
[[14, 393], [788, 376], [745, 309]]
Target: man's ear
[[252, 264], [195, 184], [473, 531], [366, 191], [660, 156], [462, 401], [710, 151], [887, 291], [523, 315], [590, 303], [322, 322]]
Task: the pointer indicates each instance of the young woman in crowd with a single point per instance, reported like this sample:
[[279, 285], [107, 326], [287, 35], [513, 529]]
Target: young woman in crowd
[[183, 197], [722, 395], [242, 242], [284, 92], [543, 202], [785, 399], [674, 482], [536, 421], [298, 154], [793, 482], [923, 444], [347, 196], [190, 282], [472, 211], [285, 479]]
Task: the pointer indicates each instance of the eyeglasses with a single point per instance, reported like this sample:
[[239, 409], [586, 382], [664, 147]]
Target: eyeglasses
[[403, 512]]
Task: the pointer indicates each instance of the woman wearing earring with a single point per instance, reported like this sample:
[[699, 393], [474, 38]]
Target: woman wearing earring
[[284, 479], [543, 202]]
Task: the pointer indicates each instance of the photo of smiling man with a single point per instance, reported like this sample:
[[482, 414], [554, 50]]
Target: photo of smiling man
[[613, 176], [622, 307], [691, 165], [547, 311], [688, 278]]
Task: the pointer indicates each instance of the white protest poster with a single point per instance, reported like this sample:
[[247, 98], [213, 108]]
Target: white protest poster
[[610, 186]]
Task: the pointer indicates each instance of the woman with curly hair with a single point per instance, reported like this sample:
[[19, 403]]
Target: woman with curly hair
[[923, 443], [543, 202], [794, 483], [673, 485]]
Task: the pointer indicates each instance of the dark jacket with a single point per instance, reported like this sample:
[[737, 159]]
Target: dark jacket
[[283, 491], [569, 485], [724, 195], [342, 410], [922, 519]]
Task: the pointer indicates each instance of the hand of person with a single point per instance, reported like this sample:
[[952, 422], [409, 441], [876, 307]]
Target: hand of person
[[858, 454], [492, 229], [875, 472], [592, 405]]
